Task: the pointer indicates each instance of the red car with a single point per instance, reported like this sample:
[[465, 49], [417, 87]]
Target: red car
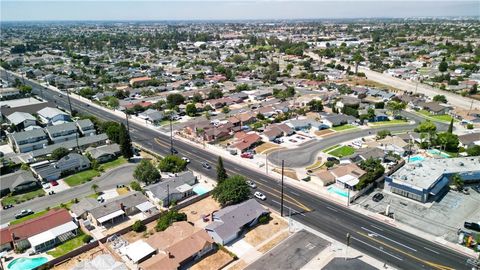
[[246, 155], [54, 183]]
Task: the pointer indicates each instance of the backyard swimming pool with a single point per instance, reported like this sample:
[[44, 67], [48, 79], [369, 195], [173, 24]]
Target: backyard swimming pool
[[200, 189], [438, 153], [416, 158], [26, 263], [338, 191]]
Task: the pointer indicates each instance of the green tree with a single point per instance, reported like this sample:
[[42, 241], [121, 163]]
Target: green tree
[[59, 153], [221, 172], [374, 170], [225, 110], [191, 110], [113, 102], [448, 141], [440, 98], [426, 127], [357, 58], [450, 127], [232, 190], [94, 188], [175, 100], [473, 150], [315, 105], [383, 133], [395, 107], [458, 181], [168, 218], [134, 185], [172, 163], [125, 142], [146, 172], [473, 90], [215, 93], [25, 89], [138, 226], [197, 98], [443, 66]]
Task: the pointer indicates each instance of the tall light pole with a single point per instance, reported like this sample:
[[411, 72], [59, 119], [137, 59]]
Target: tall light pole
[[171, 135], [281, 204]]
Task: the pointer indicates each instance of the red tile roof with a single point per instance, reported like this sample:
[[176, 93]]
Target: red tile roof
[[143, 104]]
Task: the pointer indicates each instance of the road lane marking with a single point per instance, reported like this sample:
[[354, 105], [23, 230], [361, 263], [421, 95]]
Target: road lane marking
[[432, 264], [384, 237], [379, 249], [376, 227], [288, 207], [333, 209], [434, 251], [295, 193]]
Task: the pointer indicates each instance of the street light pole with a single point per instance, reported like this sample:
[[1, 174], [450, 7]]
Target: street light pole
[[281, 206], [171, 135]]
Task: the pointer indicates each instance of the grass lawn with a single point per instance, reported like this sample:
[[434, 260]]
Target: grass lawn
[[441, 117], [342, 151], [331, 148], [67, 246], [343, 127], [15, 199], [112, 164], [391, 122], [81, 177], [20, 220]]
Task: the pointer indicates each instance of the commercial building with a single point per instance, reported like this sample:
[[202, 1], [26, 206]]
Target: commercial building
[[426, 180]]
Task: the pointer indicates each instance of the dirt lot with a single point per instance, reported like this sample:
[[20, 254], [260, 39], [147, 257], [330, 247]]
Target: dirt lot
[[322, 133], [202, 207], [213, 262], [88, 255], [262, 232], [366, 82], [266, 147], [288, 173], [275, 241], [134, 236]]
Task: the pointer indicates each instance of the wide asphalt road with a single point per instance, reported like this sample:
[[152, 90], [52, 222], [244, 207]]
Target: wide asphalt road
[[305, 154], [122, 175], [386, 243]]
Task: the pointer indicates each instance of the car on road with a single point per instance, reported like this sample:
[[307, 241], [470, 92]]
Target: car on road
[[472, 226], [251, 184], [60, 95], [206, 165], [54, 183], [23, 213], [246, 155], [260, 195], [173, 150], [292, 140], [7, 206], [377, 197], [186, 159]]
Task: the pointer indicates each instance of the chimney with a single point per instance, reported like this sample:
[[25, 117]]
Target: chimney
[[122, 206], [169, 254]]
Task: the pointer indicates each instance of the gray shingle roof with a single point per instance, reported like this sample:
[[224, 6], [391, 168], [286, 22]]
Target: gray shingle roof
[[60, 128], [17, 178], [128, 200], [160, 189], [19, 117], [27, 135]]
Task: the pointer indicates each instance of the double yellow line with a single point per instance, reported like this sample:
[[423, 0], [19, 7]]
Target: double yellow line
[[432, 264]]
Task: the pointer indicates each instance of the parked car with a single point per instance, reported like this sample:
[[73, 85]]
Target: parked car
[[51, 192], [251, 184], [46, 186], [173, 150], [186, 159], [332, 159], [377, 197], [472, 226], [206, 165], [292, 140], [465, 191], [7, 206], [300, 137], [246, 155], [100, 199], [54, 183], [24, 213], [260, 196]]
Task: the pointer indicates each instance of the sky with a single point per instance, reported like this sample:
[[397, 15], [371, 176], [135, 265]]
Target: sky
[[41, 10]]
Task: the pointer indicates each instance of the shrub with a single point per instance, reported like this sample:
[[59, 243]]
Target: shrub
[[87, 238], [469, 126], [135, 186], [264, 219], [138, 226], [329, 164], [168, 218]]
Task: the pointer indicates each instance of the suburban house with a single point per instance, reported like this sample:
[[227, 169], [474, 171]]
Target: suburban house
[[217, 133], [246, 141], [434, 107], [137, 251], [346, 175], [172, 189], [53, 116], [100, 262], [305, 124], [219, 102], [18, 182], [178, 245], [83, 143], [229, 222], [468, 140], [152, 116], [104, 153], [80, 210], [390, 143], [21, 120], [40, 233], [274, 131], [333, 120], [9, 93], [139, 81], [118, 208], [68, 164], [62, 132], [86, 127], [366, 153], [467, 116], [424, 181], [27, 141]]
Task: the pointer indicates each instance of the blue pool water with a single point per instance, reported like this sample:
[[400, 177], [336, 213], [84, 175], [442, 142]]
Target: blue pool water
[[26, 263], [200, 190], [338, 191], [438, 153], [416, 158]]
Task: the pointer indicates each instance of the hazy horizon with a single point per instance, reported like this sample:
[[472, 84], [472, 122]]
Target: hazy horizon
[[39, 10]]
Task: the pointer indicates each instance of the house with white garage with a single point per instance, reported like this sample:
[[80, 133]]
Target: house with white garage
[[173, 189], [68, 164], [53, 116], [22, 120], [104, 153]]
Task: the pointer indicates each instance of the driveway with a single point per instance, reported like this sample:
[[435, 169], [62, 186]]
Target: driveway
[[306, 153], [122, 175]]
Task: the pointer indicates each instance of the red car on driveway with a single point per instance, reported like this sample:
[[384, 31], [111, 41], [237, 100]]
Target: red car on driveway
[[246, 155], [54, 183]]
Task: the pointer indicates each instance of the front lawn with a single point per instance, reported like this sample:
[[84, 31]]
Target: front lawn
[[331, 148], [81, 177], [391, 122], [16, 199], [20, 220], [112, 164], [441, 117], [67, 246], [343, 127], [342, 151]]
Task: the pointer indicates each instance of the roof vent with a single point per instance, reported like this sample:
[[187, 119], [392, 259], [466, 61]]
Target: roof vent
[[461, 164]]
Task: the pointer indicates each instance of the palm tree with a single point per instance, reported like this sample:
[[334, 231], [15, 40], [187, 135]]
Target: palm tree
[[457, 181], [357, 58]]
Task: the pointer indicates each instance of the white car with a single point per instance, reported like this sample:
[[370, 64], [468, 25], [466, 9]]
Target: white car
[[260, 196], [186, 159], [251, 184], [46, 186]]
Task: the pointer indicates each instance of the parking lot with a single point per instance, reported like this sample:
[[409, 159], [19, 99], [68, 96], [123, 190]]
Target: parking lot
[[442, 218]]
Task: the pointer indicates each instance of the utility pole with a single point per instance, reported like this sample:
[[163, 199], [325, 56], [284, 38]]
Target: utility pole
[[128, 125], [168, 196], [171, 135], [69, 102], [281, 206], [348, 244]]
